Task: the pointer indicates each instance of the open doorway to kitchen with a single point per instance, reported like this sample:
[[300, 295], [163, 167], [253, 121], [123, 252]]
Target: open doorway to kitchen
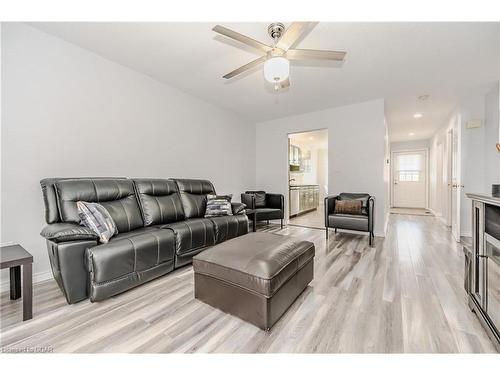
[[307, 177]]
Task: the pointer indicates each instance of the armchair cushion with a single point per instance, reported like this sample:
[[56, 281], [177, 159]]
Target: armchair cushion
[[346, 221], [238, 208], [260, 198], [62, 232], [248, 200]]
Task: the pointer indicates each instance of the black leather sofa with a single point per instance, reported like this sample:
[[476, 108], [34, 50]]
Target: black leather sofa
[[161, 227], [363, 222]]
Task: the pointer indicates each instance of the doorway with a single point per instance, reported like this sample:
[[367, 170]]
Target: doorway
[[307, 177], [410, 179]]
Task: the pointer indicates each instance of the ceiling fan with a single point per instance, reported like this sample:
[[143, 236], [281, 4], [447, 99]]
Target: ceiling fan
[[277, 56]]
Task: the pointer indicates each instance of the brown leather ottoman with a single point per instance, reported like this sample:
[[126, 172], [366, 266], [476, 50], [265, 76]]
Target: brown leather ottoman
[[256, 277]]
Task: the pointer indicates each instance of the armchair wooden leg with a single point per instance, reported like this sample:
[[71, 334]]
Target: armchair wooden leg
[[268, 222], [371, 238], [281, 223], [335, 230], [326, 230]]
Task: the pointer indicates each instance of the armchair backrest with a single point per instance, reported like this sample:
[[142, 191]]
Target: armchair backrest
[[260, 197]]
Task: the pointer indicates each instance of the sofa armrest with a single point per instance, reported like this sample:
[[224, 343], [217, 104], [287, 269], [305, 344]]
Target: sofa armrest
[[275, 201], [248, 200], [371, 212], [238, 208], [329, 206], [62, 232]]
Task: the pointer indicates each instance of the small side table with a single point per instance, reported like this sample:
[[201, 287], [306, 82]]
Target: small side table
[[13, 257]]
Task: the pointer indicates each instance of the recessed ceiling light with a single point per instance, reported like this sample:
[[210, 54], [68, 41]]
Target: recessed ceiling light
[[411, 134], [417, 115], [311, 138]]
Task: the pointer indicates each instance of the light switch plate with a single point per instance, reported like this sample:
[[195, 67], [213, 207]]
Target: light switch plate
[[472, 124]]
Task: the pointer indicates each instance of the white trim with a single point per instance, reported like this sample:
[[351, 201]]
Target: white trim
[[37, 278], [427, 174], [465, 234]]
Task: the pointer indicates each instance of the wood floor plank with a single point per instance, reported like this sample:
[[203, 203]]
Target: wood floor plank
[[403, 294]]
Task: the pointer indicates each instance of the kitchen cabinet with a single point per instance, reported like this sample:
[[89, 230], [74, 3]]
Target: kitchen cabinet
[[306, 197]]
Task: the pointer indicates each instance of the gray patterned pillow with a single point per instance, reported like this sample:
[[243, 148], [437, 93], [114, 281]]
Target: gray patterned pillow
[[97, 218], [218, 205]]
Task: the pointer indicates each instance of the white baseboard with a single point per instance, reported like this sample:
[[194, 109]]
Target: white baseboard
[[37, 278], [465, 234]]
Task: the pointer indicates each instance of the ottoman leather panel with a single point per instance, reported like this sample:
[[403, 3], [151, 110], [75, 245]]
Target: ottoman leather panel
[[256, 277], [260, 262]]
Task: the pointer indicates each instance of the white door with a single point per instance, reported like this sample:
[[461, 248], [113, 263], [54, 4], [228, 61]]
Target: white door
[[410, 179], [456, 179]]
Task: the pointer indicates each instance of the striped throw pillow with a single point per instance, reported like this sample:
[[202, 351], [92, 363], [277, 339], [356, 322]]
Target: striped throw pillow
[[218, 205], [97, 218]]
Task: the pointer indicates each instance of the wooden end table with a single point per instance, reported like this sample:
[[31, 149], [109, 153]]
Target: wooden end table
[[13, 257]]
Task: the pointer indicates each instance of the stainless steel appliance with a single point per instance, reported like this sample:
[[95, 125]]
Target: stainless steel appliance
[[483, 272], [303, 198], [294, 200]]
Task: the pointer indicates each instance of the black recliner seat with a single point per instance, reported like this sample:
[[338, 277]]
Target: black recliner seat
[[160, 228]]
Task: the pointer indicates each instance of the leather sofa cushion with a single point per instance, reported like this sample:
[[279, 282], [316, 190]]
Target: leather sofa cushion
[[192, 234], [125, 256], [194, 196], [116, 196], [363, 197], [260, 262], [227, 227], [346, 221], [160, 201], [50, 196]]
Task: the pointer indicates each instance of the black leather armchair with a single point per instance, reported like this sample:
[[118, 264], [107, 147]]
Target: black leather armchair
[[363, 222], [265, 206]]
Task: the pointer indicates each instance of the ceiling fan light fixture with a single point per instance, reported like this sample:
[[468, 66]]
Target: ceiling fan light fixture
[[276, 69]]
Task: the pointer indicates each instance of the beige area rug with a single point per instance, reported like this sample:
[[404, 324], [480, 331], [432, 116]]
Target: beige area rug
[[410, 211]]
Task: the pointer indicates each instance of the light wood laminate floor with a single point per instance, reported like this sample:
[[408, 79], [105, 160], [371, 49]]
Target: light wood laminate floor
[[404, 294]]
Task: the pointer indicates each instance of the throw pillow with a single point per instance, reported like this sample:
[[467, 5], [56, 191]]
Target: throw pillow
[[351, 207], [218, 205], [97, 218]]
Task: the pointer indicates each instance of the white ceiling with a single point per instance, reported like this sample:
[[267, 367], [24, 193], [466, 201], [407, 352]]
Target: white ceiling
[[395, 61], [316, 139]]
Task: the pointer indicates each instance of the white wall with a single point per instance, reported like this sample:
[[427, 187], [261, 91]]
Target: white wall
[[491, 138], [355, 151], [480, 161], [69, 112], [410, 145]]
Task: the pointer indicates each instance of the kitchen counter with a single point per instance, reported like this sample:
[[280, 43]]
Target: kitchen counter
[[303, 185]]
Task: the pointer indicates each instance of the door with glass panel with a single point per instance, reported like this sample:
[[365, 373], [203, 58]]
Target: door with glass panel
[[410, 179]]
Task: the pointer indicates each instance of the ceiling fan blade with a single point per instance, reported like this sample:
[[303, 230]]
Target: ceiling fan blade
[[292, 34], [241, 38], [314, 54], [245, 67], [285, 83]]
